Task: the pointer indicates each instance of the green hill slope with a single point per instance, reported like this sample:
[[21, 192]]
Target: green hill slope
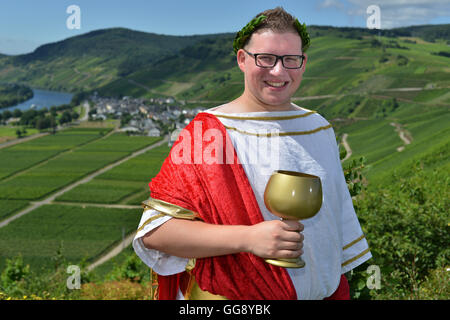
[[90, 60]]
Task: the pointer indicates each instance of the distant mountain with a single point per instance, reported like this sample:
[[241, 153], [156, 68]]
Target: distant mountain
[[129, 48], [341, 61], [426, 32], [120, 61], [92, 59]]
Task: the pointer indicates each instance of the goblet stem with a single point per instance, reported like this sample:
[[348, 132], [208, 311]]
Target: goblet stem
[[287, 262]]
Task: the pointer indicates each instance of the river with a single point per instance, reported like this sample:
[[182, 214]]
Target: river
[[42, 99]]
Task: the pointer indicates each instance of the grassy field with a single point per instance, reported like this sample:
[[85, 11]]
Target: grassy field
[[37, 168], [25, 155], [125, 184], [60, 171], [83, 233], [8, 133], [8, 207], [377, 140], [102, 191]]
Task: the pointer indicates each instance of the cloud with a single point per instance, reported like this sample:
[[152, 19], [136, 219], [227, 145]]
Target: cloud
[[394, 13]]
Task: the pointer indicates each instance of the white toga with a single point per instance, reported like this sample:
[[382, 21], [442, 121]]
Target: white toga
[[333, 240]]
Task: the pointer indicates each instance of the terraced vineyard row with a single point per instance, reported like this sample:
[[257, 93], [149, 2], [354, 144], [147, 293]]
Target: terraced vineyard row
[[79, 231], [128, 181], [25, 155], [69, 167]]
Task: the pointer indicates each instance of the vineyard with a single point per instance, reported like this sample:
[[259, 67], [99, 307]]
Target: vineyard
[[69, 166], [125, 184], [28, 154], [34, 170], [83, 233]]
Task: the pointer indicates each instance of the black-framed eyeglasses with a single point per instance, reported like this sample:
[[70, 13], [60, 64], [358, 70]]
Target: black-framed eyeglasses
[[268, 60]]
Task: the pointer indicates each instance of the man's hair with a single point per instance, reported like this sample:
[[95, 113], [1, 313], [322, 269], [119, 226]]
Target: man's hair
[[278, 20]]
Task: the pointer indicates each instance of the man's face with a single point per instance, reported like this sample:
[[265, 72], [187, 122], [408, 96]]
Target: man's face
[[271, 86]]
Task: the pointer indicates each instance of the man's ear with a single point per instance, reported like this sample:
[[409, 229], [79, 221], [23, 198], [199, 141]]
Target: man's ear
[[304, 61], [240, 57]]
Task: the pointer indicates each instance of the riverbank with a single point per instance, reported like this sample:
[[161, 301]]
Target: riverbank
[[41, 99], [12, 94]]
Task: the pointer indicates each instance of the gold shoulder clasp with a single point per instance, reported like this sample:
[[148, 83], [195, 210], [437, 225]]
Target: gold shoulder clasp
[[170, 209]]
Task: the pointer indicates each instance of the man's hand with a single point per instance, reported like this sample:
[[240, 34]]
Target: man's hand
[[276, 239]]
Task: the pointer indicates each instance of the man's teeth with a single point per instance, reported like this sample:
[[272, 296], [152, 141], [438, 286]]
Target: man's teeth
[[276, 84]]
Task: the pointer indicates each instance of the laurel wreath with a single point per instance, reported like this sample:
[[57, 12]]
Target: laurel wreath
[[242, 35]]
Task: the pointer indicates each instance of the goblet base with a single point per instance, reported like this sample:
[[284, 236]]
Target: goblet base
[[287, 263]]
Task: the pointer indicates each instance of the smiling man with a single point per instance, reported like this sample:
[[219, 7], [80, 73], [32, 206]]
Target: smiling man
[[206, 230]]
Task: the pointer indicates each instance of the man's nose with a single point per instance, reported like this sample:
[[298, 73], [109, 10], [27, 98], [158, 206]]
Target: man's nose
[[278, 67]]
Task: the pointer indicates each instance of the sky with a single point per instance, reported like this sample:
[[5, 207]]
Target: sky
[[27, 24]]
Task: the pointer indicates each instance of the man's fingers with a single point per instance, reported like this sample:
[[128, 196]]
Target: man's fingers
[[293, 225], [289, 254], [291, 236], [291, 245]]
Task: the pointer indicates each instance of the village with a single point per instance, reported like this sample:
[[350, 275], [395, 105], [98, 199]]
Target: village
[[152, 117]]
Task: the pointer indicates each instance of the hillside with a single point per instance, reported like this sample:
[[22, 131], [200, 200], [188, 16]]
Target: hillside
[[90, 60], [120, 61], [341, 61]]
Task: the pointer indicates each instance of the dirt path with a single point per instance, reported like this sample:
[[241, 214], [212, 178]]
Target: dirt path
[[86, 111], [404, 135], [51, 198], [346, 146], [25, 139], [113, 252], [314, 97]]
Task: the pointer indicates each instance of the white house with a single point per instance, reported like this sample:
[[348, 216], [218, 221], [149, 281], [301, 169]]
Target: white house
[[129, 129], [154, 132]]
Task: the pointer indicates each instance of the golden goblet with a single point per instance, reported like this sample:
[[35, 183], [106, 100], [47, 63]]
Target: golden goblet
[[292, 195]]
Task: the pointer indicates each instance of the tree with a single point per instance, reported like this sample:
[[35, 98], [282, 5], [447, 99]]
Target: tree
[[53, 111], [7, 114], [42, 123], [75, 115], [17, 113], [65, 117], [53, 124], [14, 272]]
